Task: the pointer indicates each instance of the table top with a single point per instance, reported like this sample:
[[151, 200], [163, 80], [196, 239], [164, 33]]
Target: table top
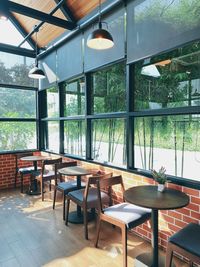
[[148, 196], [74, 171], [34, 158]]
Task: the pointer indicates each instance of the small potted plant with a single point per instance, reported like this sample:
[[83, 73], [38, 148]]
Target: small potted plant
[[160, 177]]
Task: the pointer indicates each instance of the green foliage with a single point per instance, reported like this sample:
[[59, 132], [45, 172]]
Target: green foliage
[[16, 103], [160, 176]]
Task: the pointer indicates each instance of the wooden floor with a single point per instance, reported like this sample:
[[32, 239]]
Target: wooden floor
[[33, 234]]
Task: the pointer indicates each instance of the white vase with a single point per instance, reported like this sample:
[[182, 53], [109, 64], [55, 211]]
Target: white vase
[[161, 187]]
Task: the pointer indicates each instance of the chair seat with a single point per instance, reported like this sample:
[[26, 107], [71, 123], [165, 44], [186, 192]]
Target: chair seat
[[92, 199], [188, 238], [26, 170], [69, 186], [129, 214]]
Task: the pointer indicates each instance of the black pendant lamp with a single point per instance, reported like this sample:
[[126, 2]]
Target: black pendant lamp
[[36, 72], [100, 39]]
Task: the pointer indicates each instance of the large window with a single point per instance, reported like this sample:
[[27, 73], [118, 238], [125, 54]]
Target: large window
[[109, 90], [17, 119], [108, 139], [109, 98], [167, 87], [74, 105], [74, 98], [74, 137]]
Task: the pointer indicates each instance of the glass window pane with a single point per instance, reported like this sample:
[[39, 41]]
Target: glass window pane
[[53, 136], [16, 103], [74, 139], [109, 141], [169, 141], [52, 102], [14, 69], [109, 89], [75, 98], [17, 136], [169, 82]]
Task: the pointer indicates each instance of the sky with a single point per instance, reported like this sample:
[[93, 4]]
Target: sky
[[10, 35]]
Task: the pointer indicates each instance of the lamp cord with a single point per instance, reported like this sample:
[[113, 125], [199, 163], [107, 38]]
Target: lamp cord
[[36, 47], [100, 24]]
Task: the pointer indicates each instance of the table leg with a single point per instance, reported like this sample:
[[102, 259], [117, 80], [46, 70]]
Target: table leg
[[77, 216], [155, 237], [33, 188]]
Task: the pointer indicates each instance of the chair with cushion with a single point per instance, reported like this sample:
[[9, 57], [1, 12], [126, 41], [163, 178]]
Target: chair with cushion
[[48, 173], [87, 198], [123, 215], [185, 242], [65, 187], [19, 169]]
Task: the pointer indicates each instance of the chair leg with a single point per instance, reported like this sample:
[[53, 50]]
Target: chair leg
[[85, 217], [190, 264], [67, 211], [64, 198], [98, 231], [169, 255], [54, 197], [124, 244], [42, 190], [50, 185], [21, 175]]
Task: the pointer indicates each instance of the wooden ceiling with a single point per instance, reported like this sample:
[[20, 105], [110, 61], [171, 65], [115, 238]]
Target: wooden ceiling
[[49, 32]]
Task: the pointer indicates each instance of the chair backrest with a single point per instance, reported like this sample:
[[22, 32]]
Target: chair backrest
[[18, 156], [61, 165], [108, 183], [92, 180], [50, 162]]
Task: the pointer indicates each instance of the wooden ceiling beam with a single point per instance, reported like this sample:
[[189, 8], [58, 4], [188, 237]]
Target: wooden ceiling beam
[[39, 15], [66, 11]]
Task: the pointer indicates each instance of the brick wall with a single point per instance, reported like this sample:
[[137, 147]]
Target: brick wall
[[170, 221]]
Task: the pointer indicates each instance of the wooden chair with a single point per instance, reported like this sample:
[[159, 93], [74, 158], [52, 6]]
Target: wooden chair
[[65, 187], [123, 215], [48, 173], [22, 170], [87, 198], [185, 242]]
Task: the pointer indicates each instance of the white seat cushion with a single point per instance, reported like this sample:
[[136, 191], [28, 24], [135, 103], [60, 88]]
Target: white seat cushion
[[130, 214]]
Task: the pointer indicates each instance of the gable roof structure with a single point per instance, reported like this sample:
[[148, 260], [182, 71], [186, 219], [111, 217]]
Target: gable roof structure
[[54, 18]]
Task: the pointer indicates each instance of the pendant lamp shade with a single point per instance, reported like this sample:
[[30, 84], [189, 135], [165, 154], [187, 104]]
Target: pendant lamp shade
[[3, 9], [36, 72], [100, 39]]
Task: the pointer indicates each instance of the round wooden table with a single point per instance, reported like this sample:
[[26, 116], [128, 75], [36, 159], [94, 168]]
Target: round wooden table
[[33, 188], [75, 217], [148, 196]]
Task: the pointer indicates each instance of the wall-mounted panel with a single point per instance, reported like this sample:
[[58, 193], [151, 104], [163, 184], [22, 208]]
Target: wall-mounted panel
[[48, 64], [154, 26], [96, 58], [70, 59]]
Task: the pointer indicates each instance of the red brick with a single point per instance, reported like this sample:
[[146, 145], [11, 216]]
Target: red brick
[[190, 191], [195, 215], [195, 200]]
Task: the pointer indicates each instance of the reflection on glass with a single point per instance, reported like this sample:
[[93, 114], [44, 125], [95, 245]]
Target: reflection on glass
[[75, 98], [53, 136], [169, 141], [109, 89], [17, 136], [170, 82], [52, 102], [74, 138], [108, 141], [16, 103]]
